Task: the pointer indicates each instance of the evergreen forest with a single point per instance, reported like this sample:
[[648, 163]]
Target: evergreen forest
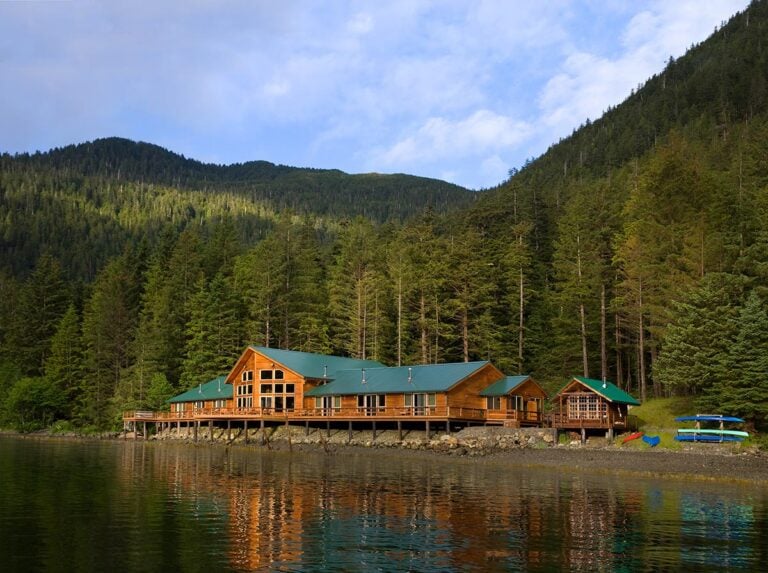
[[634, 250]]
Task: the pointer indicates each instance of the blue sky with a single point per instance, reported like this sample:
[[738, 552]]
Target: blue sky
[[461, 90]]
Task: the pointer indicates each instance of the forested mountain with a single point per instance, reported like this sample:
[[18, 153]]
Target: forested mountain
[[636, 250], [83, 202]]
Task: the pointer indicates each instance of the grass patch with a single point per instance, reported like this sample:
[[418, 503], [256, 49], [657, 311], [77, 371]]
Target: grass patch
[[660, 413]]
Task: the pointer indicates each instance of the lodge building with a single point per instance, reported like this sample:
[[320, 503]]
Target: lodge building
[[269, 386]]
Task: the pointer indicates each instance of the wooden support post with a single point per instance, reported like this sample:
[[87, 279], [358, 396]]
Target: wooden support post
[[399, 430], [245, 430], [427, 428], [261, 427], [210, 430], [349, 435], [373, 439], [609, 435], [229, 430], [178, 428], [196, 425], [328, 427], [306, 428], [145, 430], [448, 427], [583, 436]]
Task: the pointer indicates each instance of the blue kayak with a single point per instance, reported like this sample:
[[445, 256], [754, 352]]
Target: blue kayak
[[652, 441], [709, 418], [709, 438]]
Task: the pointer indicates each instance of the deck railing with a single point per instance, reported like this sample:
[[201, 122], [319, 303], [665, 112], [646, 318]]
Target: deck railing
[[426, 412]]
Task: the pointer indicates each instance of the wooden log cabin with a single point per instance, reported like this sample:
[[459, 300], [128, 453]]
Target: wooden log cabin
[[271, 385], [586, 404]]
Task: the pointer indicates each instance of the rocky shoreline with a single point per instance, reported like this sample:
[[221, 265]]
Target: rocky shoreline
[[529, 447]]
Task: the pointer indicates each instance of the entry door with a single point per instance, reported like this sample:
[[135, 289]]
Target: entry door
[[327, 405], [532, 409], [419, 404]]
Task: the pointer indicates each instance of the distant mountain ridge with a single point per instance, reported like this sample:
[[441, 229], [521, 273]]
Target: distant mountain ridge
[[298, 188], [85, 203]]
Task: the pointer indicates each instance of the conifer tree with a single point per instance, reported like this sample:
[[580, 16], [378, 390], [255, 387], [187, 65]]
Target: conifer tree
[[64, 365], [694, 359], [43, 299], [744, 390], [109, 319], [213, 332]]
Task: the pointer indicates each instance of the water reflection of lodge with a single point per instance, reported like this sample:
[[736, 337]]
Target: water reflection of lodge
[[273, 386], [284, 514]]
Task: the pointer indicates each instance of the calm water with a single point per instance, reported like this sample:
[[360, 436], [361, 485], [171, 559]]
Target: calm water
[[113, 506]]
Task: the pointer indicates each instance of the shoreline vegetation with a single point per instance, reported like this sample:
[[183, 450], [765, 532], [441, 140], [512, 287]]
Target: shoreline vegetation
[[532, 448]]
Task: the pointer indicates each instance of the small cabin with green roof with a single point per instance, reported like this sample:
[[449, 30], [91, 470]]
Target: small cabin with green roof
[[514, 401], [586, 403]]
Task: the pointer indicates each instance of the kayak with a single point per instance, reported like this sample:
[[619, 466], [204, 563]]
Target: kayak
[[631, 437], [709, 418], [714, 432], [709, 438], [652, 441]]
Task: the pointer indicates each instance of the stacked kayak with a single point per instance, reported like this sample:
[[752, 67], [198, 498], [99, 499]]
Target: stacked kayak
[[710, 435]]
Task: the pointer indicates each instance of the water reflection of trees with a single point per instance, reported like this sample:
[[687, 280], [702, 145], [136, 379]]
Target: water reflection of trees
[[298, 512]]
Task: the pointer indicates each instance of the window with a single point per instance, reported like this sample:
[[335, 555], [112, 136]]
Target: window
[[494, 402], [219, 403], [178, 407], [245, 402], [244, 389], [419, 402], [371, 403], [586, 407], [280, 396], [199, 405], [247, 375]]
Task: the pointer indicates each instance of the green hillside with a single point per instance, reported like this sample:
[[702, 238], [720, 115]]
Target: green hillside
[[84, 202]]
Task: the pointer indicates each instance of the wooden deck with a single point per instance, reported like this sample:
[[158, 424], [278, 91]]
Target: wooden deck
[[452, 413], [599, 423]]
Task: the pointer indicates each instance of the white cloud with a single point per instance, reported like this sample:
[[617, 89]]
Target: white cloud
[[587, 83], [439, 138]]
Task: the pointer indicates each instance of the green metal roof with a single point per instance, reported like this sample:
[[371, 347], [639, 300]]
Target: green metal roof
[[398, 379], [312, 365], [214, 389], [504, 386], [608, 391]]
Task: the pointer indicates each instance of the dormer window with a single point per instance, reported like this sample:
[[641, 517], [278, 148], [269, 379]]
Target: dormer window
[[271, 374]]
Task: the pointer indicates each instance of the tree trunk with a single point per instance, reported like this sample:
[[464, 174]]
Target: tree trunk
[[423, 329], [521, 325], [603, 351], [619, 365], [400, 321], [465, 333], [641, 344]]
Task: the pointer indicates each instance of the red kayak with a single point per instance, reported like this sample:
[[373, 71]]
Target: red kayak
[[631, 437]]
